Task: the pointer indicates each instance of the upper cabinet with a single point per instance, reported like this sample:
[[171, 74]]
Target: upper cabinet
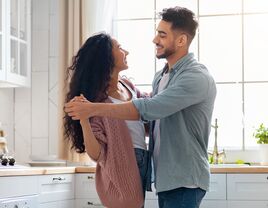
[[15, 43]]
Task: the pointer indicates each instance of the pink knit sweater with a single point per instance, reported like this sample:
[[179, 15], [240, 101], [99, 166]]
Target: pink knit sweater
[[118, 181]]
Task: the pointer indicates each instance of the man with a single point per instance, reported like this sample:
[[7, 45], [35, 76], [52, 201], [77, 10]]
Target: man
[[180, 110]]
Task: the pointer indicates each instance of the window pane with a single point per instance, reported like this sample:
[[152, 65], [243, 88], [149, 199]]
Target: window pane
[[220, 47], [190, 4], [127, 9], [14, 57], [23, 19], [256, 110], [136, 37], [1, 52], [228, 111], [255, 6], [207, 7], [23, 59], [1, 13], [256, 47], [14, 17]]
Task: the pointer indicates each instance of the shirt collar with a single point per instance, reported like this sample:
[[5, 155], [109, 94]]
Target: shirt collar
[[177, 66]]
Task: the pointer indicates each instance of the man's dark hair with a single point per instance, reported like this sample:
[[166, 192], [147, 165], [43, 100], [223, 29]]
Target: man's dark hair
[[181, 19]]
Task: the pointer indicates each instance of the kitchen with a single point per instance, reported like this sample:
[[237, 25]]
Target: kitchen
[[30, 115]]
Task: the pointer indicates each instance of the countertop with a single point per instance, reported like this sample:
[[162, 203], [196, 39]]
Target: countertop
[[23, 171]]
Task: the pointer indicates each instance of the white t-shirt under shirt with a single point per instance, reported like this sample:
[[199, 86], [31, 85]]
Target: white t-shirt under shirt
[[136, 128], [162, 84]]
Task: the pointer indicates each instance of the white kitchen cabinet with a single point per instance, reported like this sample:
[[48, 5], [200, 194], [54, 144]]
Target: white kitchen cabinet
[[58, 204], [85, 191], [88, 203], [247, 204], [17, 186], [213, 204], [15, 43], [56, 191], [151, 199], [217, 189], [151, 203], [247, 187], [216, 196]]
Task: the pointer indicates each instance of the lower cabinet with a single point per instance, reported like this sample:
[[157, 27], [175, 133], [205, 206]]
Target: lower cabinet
[[247, 204], [56, 191], [213, 204], [85, 191], [58, 204]]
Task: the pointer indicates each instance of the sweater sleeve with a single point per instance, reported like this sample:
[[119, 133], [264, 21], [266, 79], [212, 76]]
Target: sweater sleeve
[[99, 132]]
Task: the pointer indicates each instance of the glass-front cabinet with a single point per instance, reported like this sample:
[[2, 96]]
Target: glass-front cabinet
[[15, 42]]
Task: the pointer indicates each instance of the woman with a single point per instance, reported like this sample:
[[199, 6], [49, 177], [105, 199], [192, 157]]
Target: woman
[[120, 176]]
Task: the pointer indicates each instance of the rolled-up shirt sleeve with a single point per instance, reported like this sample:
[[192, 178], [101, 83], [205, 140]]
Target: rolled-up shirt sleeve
[[188, 90]]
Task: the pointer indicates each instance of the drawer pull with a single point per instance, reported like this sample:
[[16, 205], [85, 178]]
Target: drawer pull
[[96, 204], [59, 179], [90, 177]]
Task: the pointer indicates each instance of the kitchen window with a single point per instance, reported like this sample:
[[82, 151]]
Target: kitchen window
[[232, 42]]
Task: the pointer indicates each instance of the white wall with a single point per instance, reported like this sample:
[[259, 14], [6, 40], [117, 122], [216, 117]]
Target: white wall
[[29, 115]]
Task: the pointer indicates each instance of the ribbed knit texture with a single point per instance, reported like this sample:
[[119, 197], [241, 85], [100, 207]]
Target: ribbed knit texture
[[118, 180]]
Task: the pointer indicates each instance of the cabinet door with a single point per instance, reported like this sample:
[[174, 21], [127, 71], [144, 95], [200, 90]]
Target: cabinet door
[[151, 203], [66, 204], [2, 38], [247, 204], [88, 203], [56, 187], [247, 187], [18, 186], [213, 204], [85, 186], [58, 204], [49, 205], [15, 42], [217, 187]]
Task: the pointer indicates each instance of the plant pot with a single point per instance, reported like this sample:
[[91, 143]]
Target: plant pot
[[263, 154]]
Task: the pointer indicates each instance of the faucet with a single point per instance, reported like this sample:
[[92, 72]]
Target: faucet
[[216, 154]]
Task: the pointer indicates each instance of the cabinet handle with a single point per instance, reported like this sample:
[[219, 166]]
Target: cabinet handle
[[96, 204], [90, 177], [59, 179]]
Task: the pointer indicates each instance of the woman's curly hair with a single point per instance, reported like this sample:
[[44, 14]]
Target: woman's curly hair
[[90, 74]]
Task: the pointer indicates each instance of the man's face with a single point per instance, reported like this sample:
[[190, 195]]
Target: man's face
[[165, 40]]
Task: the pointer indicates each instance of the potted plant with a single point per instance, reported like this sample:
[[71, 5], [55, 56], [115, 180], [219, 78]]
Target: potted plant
[[261, 134]]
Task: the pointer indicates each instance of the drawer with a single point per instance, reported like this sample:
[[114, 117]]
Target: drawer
[[247, 187], [56, 187], [247, 204], [213, 204], [85, 186], [88, 203], [18, 186]]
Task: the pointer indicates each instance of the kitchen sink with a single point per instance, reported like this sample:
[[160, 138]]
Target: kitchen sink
[[228, 165]]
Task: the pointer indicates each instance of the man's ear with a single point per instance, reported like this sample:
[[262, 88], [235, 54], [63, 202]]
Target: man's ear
[[182, 40]]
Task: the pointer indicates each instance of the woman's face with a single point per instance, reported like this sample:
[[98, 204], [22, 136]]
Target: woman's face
[[120, 57]]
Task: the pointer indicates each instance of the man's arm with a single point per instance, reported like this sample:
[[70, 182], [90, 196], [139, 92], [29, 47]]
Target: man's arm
[[83, 110]]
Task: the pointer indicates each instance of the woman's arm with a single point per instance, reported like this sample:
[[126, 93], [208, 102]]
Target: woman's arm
[[91, 143]]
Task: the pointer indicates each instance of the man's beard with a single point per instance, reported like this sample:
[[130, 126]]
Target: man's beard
[[166, 53]]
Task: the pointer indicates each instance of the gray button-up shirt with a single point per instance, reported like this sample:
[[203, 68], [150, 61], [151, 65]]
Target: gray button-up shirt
[[185, 108]]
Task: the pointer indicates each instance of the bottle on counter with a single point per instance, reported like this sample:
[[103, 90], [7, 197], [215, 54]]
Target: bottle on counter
[[3, 143]]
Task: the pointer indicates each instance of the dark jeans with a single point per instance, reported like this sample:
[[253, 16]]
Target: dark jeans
[[181, 198], [142, 161]]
